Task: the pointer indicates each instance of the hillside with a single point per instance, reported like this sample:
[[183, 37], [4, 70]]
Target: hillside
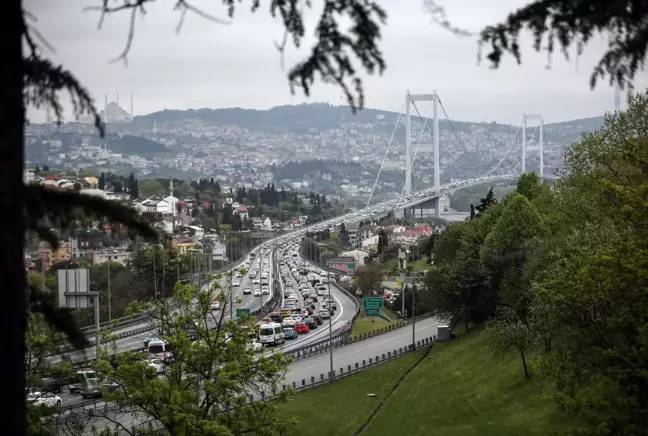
[[457, 390], [307, 116]]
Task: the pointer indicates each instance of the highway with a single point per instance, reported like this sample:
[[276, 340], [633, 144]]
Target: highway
[[343, 316], [342, 357], [359, 351]]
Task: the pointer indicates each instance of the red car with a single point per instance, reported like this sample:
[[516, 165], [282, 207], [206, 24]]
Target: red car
[[301, 327]]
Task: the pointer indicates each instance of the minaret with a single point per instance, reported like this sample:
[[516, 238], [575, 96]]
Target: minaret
[[172, 203]]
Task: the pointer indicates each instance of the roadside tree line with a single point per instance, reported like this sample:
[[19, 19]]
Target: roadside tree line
[[558, 272]]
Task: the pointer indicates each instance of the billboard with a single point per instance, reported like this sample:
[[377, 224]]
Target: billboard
[[71, 281]]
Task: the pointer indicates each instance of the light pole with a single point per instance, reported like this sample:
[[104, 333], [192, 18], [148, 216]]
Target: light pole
[[413, 318], [328, 279], [109, 296]]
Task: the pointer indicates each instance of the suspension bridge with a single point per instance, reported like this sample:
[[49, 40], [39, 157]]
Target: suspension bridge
[[427, 202]]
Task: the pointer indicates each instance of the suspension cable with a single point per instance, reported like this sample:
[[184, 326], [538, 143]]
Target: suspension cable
[[384, 158]]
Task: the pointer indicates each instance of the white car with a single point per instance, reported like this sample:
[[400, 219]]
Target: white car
[[256, 281], [157, 365], [247, 291], [44, 399], [288, 321], [265, 291], [215, 305], [257, 292], [256, 345]]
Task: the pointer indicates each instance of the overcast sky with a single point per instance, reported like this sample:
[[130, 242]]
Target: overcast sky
[[236, 65]]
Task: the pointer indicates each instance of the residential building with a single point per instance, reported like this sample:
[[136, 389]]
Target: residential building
[[112, 255], [358, 256], [85, 242], [50, 257], [28, 175], [183, 244]]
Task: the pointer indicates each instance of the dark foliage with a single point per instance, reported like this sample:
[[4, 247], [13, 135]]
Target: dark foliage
[[560, 23]]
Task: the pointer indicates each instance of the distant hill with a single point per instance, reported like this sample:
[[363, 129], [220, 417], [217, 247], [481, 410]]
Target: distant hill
[[300, 118], [129, 144]]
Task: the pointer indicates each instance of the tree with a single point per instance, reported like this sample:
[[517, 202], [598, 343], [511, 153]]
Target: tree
[[369, 279], [41, 376], [205, 386], [508, 333], [102, 181], [133, 187], [148, 188], [560, 24]]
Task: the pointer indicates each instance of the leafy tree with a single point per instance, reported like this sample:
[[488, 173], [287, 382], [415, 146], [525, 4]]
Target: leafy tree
[[529, 185], [485, 202], [41, 376], [149, 187], [133, 186], [205, 386], [369, 279], [507, 333]]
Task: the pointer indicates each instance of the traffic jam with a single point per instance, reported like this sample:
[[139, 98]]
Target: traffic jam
[[306, 301]]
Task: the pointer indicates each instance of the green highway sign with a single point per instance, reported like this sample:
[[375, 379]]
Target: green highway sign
[[350, 265], [372, 312], [240, 312], [372, 303]]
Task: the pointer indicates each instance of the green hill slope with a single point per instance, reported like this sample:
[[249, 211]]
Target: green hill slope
[[457, 390]]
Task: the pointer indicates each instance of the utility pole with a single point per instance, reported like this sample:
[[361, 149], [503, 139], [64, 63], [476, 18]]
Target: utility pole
[[413, 318], [154, 274], [328, 276], [109, 297]]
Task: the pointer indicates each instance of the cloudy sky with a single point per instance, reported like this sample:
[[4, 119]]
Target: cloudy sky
[[237, 65]]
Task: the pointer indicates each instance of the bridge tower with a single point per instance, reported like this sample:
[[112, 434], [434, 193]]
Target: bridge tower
[[409, 100], [539, 147]]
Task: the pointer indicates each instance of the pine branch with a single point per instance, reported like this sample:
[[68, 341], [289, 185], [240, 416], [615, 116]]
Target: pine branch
[[44, 205]]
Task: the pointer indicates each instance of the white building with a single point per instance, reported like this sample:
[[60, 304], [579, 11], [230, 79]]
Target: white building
[[172, 200]]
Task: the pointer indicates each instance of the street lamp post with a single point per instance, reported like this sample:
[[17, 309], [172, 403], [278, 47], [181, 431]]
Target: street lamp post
[[328, 277]]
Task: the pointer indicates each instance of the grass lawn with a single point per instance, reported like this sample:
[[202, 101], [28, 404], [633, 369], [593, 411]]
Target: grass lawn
[[459, 390], [340, 408], [421, 264], [367, 324]]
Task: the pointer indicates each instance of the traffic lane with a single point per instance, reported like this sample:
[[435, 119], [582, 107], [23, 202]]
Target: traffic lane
[[359, 351]]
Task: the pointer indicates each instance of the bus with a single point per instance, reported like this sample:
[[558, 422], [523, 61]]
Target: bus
[[160, 349]]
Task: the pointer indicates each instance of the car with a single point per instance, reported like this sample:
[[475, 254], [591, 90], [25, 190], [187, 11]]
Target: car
[[288, 321], [157, 365], [317, 318], [215, 305], [257, 292], [265, 291], [301, 327], [324, 314], [247, 291], [310, 322], [44, 399], [255, 344], [289, 333]]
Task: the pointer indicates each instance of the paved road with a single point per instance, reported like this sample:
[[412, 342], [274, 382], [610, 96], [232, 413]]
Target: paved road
[[369, 348]]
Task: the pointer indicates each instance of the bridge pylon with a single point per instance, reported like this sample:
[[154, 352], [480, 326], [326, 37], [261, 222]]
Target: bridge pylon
[[409, 100], [540, 145]]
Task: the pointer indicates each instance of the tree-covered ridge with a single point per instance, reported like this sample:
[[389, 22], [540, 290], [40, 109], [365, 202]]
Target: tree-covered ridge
[[558, 274], [323, 116]]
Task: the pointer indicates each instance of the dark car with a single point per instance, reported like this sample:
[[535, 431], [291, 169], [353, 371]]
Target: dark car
[[311, 322], [317, 318]]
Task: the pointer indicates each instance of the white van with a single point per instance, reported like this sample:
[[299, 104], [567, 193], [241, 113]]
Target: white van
[[160, 349], [271, 334]]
